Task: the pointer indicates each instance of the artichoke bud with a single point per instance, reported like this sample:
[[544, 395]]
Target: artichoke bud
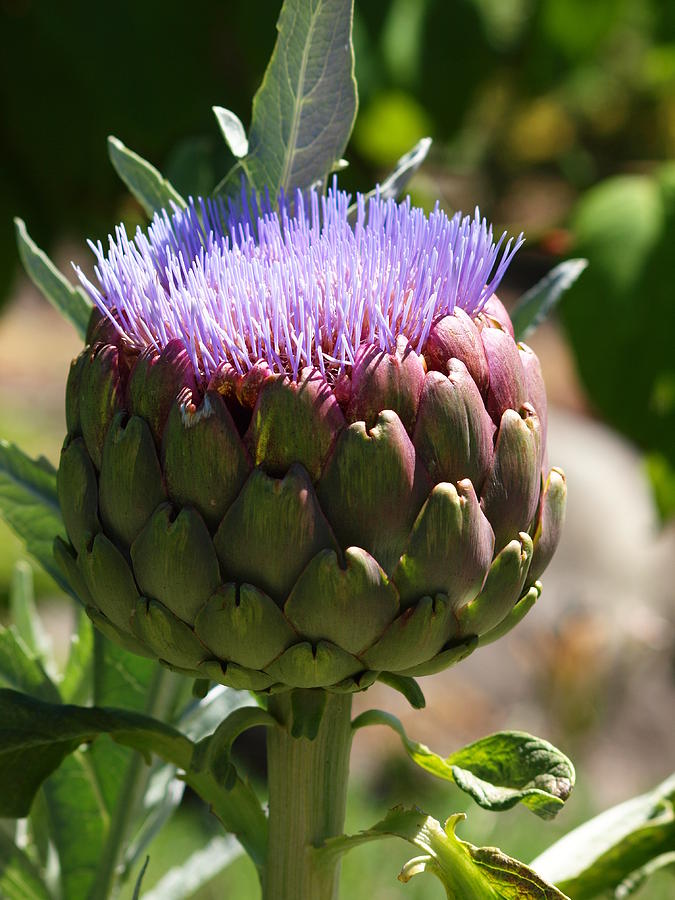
[[309, 454], [382, 380], [457, 337]]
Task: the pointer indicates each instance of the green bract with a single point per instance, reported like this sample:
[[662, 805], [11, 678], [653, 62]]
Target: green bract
[[268, 533]]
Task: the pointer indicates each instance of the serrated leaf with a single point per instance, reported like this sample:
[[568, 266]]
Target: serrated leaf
[[185, 880], [599, 855], [233, 131], [537, 304], [304, 110], [466, 872], [71, 302], [145, 182], [29, 505], [35, 737], [498, 771], [19, 878]]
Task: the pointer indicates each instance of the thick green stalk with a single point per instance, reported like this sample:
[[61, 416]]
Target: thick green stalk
[[308, 794]]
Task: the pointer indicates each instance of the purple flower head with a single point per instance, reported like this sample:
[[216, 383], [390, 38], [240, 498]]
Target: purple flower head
[[301, 284]]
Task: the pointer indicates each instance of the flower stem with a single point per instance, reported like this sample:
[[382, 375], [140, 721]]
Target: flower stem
[[308, 795]]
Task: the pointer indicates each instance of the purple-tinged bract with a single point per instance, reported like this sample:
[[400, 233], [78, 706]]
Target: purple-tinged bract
[[304, 284], [304, 448]]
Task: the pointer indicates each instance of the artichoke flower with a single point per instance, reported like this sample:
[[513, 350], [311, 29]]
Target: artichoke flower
[[304, 448]]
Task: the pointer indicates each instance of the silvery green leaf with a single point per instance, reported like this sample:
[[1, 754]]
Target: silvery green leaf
[[233, 131], [184, 880], [536, 304], [466, 872], [636, 880], [71, 302], [145, 182], [304, 110], [498, 771], [405, 168], [600, 854]]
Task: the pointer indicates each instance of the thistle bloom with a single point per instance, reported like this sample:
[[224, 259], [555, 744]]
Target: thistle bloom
[[303, 445]]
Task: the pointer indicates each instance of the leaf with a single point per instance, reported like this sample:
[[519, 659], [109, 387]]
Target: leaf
[[145, 182], [621, 313], [19, 671], [233, 131], [71, 302], [537, 304], [76, 684], [185, 880], [304, 110], [29, 505], [404, 170], [636, 880], [466, 872], [35, 737], [498, 771], [24, 616], [19, 878], [139, 880], [406, 686], [79, 821], [599, 855], [164, 791]]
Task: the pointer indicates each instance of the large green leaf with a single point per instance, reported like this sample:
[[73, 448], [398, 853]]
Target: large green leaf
[[71, 302], [304, 110], [620, 317], [19, 878], [35, 738], [145, 182], [602, 853], [29, 505], [498, 771], [466, 872]]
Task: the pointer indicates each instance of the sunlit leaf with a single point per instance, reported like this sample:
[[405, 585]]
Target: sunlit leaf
[[185, 880], [71, 302], [498, 771], [304, 110], [599, 855], [145, 182], [466, 872], [537, 304], [233, 131]]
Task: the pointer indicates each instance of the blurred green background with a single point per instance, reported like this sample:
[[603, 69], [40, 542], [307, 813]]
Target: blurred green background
[[558, 118]]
